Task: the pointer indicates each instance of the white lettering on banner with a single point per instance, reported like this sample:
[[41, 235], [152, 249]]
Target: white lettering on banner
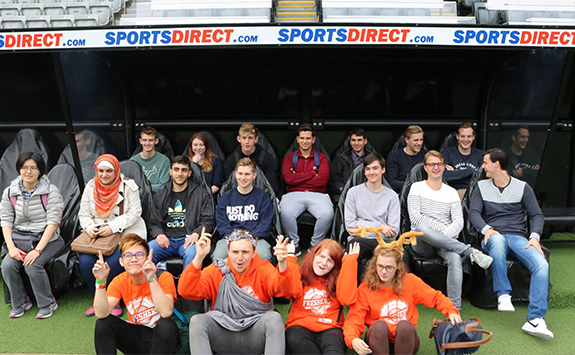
[[286, 35]]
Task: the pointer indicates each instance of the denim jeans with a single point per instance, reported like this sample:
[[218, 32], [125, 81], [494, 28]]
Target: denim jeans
[[176, 247], [498, 247]]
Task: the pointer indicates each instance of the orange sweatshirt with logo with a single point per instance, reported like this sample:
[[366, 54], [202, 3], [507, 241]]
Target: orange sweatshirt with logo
[[392, 308], [313, 310], [261, 281]]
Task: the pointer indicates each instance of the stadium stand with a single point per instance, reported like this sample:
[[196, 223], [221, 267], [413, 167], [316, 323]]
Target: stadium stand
[[525, 12], [13, 21], [62, 20], [39, 21]]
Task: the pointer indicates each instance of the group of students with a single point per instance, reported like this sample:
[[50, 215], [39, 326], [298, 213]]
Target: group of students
[[241, 287]]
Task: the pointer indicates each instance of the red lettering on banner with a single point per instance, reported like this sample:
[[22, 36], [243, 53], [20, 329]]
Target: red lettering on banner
[[353, 35], [543, 36], [228, 34], [207, 37], [371, 35], [382, 35], [526, 37], [38, 40], [553, 39], [217, 36], [392, 35], [32, 41], [177, 37], [195, 36], [26, 41]]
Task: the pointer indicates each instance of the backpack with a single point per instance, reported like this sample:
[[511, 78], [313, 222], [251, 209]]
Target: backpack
[[458, 339], [295, 159]]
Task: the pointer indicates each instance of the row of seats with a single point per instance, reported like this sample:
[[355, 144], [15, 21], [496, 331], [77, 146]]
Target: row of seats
[[56, 21], [100, 11]]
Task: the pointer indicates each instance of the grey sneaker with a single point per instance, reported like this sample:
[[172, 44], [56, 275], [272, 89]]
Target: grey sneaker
[[46, 312], [483, 260], [19, 311]]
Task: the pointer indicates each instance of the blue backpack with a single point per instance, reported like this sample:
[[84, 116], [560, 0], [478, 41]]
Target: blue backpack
[[458, 339], [295, 159]]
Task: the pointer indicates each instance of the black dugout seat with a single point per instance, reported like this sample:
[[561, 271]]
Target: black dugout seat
[[212, 143], [432, 270], [345, 144], [96, 146], [134, 171], [482, 294], [449, 141], [400, 144], [164, 146]]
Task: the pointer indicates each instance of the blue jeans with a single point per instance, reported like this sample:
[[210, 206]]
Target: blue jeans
[[176, 248], [498, 247], [87, 262]]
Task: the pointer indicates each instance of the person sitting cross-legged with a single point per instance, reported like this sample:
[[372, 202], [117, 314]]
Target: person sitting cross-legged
[[149, 301], [181, 209], [241, 287], [435, 209]]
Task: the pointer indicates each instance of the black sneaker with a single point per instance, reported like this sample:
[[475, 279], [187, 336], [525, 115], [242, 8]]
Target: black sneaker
[[297, 250]]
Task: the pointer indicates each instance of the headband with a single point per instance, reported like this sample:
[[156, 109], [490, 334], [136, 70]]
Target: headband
[[105, 164], [238, 234], [397, 245]]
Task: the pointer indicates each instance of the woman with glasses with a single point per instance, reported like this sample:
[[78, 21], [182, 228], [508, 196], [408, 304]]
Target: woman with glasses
[[200, 154], [110, 204], [30, 211], [387, 302], [149, 300], [329, 281]]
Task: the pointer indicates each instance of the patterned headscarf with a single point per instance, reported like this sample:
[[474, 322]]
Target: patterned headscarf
[[105, 196], [405, 238]]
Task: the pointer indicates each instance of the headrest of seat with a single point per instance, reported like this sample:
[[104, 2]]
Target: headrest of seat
[[449, 141], [133, 170], [213, 143], [164, 146], [64, 177], [261, 182], [96, 146], [316, 145]]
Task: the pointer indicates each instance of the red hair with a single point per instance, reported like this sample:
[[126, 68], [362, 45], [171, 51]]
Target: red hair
[[309, 278], [208, 154]]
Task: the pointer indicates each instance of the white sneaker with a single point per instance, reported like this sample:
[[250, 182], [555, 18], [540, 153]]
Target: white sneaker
[[537, 328], [504, 304], [482, 260]]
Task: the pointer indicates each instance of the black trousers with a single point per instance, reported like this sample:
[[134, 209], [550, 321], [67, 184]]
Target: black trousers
[[112, 333], [300, 340]]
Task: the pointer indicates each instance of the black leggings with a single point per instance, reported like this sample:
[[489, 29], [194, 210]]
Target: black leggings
[[113, 333], [300, 340], [406, 339]]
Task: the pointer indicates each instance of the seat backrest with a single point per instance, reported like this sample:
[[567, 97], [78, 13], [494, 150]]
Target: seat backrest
[[134, 171], [338, 230], [346, 145], [400, 144], [449, 141], [199, 178], [86, 20], [469, 235], [264, 142], [13, 21], [38, 21], [164, 146], [27, 140], [260, 182], [96, 146], [64, 177], [417, 173], [316, 145], [213, 143], [61, 20]]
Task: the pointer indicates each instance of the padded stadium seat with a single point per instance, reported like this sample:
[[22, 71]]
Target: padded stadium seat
[[432, 270], [97, 145], [87, 21], [338, 230], [306, 217], [265, 144], [62, 20], [32, 10], [482, 294], [103, 9], [55, 9], [38, 21], [214, 146], [134, 171], [61, 267], [164, 146], [77, 8], [26, 140], [9, 10], [346, 145], [400, 144], [449, 141], [14, 22]]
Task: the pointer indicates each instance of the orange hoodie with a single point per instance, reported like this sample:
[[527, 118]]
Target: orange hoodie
[[261, 281], [313, 310], [386, 305]]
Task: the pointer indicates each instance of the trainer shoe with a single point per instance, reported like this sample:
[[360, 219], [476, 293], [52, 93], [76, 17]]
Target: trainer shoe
[[90, 312], [117, 311], [297, 250], [483, 260], [537, 328], [46, 312], [19, 311], [504, 304]]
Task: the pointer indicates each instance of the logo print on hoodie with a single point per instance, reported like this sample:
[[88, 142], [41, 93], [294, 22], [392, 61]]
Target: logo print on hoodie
[[394, 311], [250, 291], [147, 314], [317, 301], [178, 214]]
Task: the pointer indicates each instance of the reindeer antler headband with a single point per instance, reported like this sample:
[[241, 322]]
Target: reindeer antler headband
[[405, 238]]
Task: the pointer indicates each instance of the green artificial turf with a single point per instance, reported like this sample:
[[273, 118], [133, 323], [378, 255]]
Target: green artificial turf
[[70, 332]]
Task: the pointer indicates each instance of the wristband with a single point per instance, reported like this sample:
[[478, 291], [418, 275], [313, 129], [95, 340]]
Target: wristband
[[38, 250], [98, 282], [291, 254], [152, 280], [100, 286]]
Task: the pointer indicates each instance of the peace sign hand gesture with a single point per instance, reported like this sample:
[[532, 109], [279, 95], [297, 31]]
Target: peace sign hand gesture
[[101, 269], [149, 269]]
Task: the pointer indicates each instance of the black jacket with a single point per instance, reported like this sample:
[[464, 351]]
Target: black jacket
[[199, 211], [341, 169], [264, 160]]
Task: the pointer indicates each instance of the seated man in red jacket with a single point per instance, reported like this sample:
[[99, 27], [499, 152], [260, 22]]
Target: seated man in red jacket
[[241, 287], [306, 172]]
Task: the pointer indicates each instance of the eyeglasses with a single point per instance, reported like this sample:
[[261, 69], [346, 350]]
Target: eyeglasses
[[28, 168], [387, 268], [138, 256], [433, 165]]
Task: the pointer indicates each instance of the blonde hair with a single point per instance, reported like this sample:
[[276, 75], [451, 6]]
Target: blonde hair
[[413, 129], [371, 277], [247, 129], [246, 162], [433, 153]]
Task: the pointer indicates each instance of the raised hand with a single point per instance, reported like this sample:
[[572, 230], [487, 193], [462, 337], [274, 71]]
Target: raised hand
[[101, 269], [291, 247], [149, 269], [280, 250], [203, 244], [354, 248]]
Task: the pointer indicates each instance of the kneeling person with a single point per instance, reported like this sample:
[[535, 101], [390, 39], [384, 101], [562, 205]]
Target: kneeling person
[[149, 301], [245, 207], [241, 287]]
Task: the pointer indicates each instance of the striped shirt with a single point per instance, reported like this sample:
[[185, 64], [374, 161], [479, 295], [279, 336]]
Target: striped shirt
[[439, 210]]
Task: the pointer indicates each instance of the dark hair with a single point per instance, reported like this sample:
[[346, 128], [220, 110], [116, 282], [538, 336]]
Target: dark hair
[[34, 156], [180, 159], [150, 131], [358, 131], [370, 158], [517, 128], [498, 155], [306, 127], [465, 125]]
